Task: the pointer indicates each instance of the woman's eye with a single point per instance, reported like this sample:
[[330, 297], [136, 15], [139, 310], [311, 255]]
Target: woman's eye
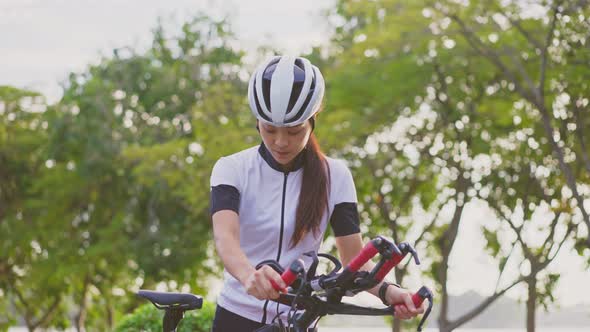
[[293, 133]]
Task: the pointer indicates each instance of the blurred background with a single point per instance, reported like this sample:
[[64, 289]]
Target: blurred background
[[465, 124]]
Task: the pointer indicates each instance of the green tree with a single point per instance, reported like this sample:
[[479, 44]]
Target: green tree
[[421, 46], [28, 287], [430, 159], [544, 58], [129, 150], [536, 217]]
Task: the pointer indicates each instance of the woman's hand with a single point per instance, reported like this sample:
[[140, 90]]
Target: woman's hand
[[258, 283], [401, 300]]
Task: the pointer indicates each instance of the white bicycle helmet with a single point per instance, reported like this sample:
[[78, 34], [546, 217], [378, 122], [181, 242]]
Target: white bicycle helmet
[[285, 91]]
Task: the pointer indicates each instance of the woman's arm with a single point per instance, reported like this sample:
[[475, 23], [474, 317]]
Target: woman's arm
[[226, 234], [348, 247]]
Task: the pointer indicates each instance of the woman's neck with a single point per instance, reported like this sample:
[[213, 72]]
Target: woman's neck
[[287, 167]]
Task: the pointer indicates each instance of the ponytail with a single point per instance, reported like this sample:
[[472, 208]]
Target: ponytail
[[313, 198]]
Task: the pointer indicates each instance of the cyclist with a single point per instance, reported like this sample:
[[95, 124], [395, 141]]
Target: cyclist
[[275, 200]]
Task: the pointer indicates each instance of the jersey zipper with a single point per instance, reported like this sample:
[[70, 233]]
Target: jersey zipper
[[286, 174]]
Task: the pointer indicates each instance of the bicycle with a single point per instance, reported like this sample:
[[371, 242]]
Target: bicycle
[[316, 295]]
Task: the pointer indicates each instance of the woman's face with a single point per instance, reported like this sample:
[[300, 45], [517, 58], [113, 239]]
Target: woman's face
[[285, 143]]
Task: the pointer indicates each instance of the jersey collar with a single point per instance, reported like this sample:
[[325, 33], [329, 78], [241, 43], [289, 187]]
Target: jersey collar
[[267, 156]]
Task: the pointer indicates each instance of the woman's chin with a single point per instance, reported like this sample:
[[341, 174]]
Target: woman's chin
[[282, 159]]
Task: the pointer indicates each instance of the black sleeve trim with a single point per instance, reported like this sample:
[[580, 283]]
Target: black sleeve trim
[[224, 197], [345, 219]]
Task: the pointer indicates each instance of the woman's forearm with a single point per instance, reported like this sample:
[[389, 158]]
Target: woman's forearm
[[226, 232]]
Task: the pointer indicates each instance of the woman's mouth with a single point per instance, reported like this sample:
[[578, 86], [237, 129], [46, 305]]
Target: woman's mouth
[[282, 154]]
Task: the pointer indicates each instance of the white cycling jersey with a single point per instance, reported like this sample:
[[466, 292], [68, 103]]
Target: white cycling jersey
[[252, 184]]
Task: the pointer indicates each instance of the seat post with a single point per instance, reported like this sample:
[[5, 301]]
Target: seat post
[[172, 317]]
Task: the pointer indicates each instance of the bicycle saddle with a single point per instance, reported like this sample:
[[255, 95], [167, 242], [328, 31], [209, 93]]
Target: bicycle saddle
[[164, 300]]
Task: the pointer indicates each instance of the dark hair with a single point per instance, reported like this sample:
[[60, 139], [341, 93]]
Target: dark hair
[[313, 198]]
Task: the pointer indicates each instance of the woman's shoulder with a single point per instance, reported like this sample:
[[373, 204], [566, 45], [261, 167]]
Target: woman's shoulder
[[342, 187], [238, 159], [338, 167], [244, 154]]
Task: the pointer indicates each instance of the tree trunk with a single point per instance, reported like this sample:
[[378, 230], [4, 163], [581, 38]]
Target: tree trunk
[[30, 322], [446, 244], [531, 303], [110, 316], [80, 321], [580, 131], [445, 328]]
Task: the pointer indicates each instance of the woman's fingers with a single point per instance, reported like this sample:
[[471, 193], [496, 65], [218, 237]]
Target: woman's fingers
[[421, 309], [402, 312], [268, 274], [255, 285], [412, 310], [260, 286], [406, 309]]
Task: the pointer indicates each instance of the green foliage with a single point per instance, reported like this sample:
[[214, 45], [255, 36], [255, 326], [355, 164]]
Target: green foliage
[[148, 318], [116, 174], [6, 320], [546, 292], [492, 243], [145, 318], [27, 284], [476, 65], [372, 79]]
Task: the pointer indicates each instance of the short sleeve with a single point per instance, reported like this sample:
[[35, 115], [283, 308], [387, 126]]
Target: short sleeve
[[345, 217], [225, 172], [225, 187]]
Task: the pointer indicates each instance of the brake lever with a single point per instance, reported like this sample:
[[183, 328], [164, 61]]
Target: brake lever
[[383, 268], [422, 294], [314, 264], [412, 251]]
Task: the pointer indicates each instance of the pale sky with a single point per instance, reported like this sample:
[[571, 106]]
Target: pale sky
[[41, 41]]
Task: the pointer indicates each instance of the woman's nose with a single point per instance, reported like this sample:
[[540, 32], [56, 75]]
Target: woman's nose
[[281, 140]]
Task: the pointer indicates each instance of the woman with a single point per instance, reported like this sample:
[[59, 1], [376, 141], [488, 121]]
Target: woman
[[275, 200]]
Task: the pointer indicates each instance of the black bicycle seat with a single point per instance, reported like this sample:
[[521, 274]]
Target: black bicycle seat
[[164, 300]]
